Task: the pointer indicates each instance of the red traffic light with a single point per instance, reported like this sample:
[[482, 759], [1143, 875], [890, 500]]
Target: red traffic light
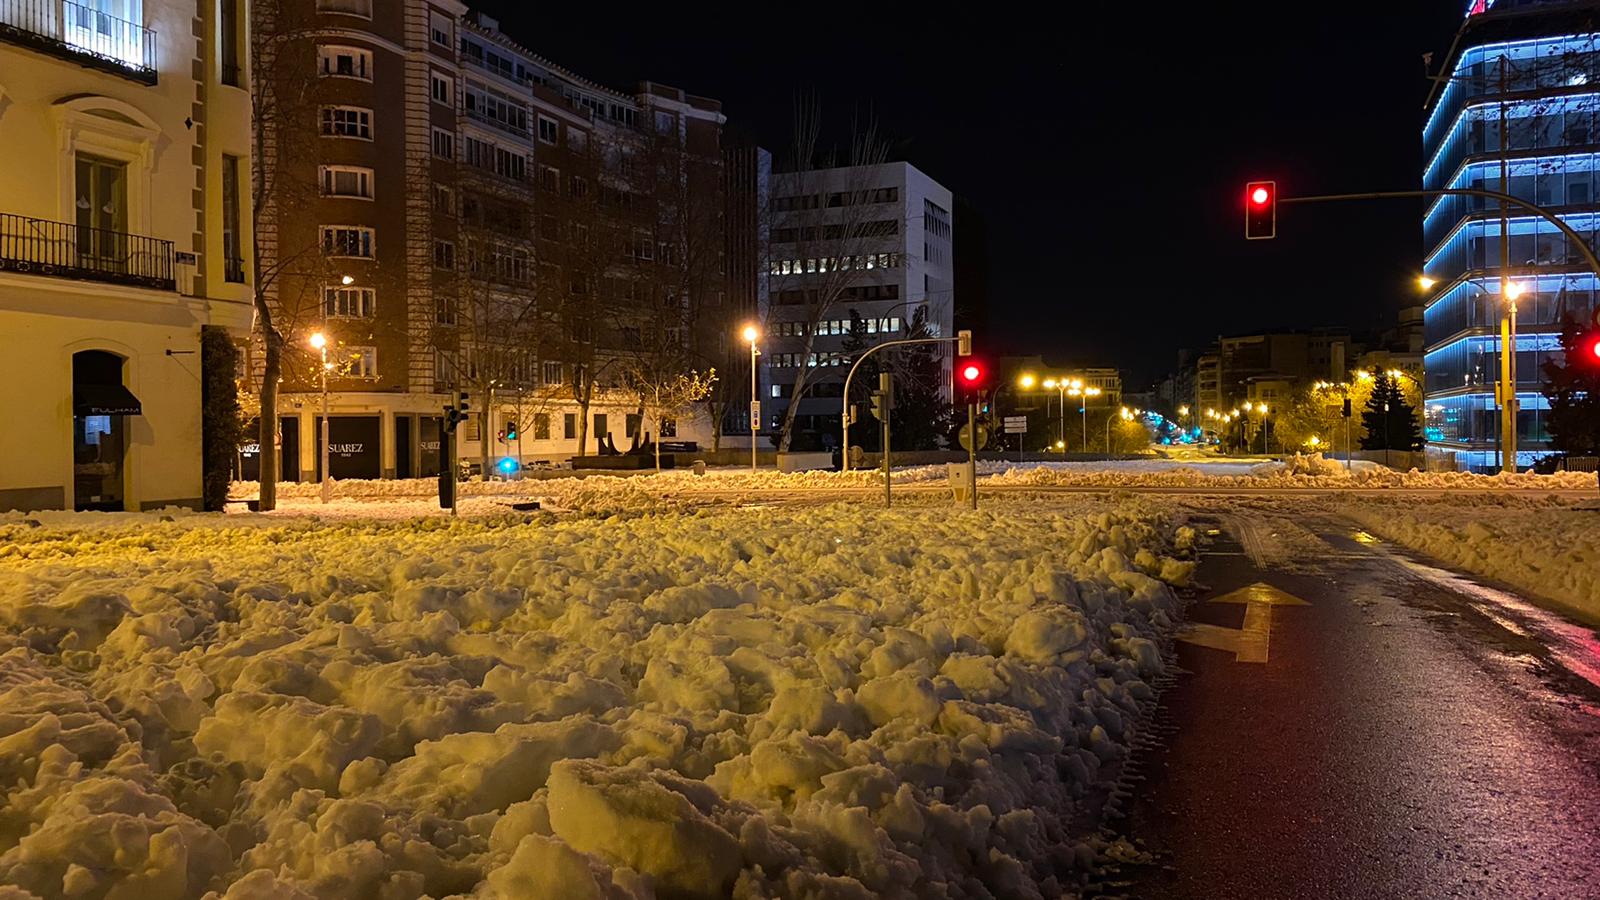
[[971, 372], [1260, 210]]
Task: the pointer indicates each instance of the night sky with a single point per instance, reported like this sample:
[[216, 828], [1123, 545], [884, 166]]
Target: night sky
[[1106, 150]]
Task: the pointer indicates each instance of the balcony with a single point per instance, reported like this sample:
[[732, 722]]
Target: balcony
[[62, 250], [83, 35], [477, 115]]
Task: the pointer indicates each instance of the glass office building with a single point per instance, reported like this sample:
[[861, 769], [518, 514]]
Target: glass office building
[[1533, 65]]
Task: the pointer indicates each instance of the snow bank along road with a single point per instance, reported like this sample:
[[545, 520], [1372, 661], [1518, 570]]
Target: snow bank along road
[[817, 702]]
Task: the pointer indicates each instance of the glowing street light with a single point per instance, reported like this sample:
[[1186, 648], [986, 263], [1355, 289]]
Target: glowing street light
[[1425, 282], [347, 280], [1026, 381], [319, 342], [752, 334]]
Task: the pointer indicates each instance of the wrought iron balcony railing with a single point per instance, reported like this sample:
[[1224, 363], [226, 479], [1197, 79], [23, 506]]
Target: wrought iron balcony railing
[[82, 34], [63, 250], [508, 127]]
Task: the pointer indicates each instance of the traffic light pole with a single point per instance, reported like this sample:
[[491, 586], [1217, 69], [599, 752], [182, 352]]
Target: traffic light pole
[[844, 403], [972, 455], [886, 388]]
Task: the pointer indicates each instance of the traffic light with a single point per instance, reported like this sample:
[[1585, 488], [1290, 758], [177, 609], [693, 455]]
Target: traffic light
[[1260, 210], [510, 432], [877, 405], [970, 378], [455, 415], [964, 342]]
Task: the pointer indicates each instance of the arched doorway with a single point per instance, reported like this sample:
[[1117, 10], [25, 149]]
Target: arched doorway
[[101, 405]]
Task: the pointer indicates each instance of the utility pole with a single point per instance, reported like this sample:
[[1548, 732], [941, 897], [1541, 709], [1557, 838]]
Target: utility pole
[[885, 404], [972, 454]]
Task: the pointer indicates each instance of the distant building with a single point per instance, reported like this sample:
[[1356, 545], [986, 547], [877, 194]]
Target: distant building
[[458, 214], [870, 242], [1536, 63], [125, 141]]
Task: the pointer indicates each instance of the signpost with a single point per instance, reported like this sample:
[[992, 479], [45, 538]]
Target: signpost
[[1017, 425]]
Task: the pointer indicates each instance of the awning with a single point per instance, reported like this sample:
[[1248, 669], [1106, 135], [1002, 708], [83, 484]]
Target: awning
[[104, 400]]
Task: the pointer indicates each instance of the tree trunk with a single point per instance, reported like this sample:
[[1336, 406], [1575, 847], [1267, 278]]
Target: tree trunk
[[585, 394], [267, 432], [485, 419]]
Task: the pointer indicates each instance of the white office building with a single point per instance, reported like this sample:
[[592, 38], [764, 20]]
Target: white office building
[[859, 243]]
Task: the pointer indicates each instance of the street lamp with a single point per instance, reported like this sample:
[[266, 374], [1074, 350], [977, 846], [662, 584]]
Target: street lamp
[[319, 342], [1083, 394], [347, 280], [1511, 290], [1059, 385], [1425, 282], [751, 335]]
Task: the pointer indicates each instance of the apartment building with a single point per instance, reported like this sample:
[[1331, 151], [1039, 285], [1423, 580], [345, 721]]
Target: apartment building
[[126, 135], [457, 214], [872, 244]]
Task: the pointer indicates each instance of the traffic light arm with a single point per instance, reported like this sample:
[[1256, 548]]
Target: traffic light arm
[[844, 403], [1576, 239]]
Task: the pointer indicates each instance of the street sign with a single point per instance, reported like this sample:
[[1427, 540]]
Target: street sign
[[966, 436], [1016, 424]]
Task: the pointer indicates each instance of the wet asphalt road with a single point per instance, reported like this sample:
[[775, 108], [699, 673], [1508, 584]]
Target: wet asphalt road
[[1409, 736]]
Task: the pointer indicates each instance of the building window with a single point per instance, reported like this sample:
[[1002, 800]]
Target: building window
[[444, 255], [552, 373], [541, 426], [439, 30], [577, 139], [669, 428], [232, 252], [362, 362], [665, 122], [344, 62], [444, 144], [444, 200], [569, 426], [550, 178], [340, 302], [346, 181], [347, 7], [347, 240], [600, 425], [547, 130], [440, 88], [347, 121], [230, 43]]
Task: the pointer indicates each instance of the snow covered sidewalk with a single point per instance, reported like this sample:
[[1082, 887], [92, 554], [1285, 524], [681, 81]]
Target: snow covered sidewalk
[[821, 702], [1547, 550]]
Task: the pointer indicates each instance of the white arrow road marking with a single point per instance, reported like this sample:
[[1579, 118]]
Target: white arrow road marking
[[1250, 643]]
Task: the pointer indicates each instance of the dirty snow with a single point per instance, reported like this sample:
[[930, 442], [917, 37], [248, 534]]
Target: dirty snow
[[1548, 550], [830, 701]]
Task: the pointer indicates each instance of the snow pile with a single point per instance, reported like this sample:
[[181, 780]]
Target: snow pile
[[1299, 471], [830, 701], [1546, 550]]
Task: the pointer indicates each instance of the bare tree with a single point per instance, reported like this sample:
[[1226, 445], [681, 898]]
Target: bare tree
[[814, 266], [284, 108], [663, 396]]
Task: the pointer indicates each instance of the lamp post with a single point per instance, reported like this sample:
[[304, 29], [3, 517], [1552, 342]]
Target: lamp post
[[1026, 382], [1083, 394], [751, 335], [1510, 290], [1059, 385], [319, 341]]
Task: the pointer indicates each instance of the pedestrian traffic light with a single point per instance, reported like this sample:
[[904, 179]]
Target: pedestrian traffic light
[[510, 433], [1260, 210]]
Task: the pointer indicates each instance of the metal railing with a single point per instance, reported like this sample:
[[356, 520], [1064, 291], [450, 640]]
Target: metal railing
[[508, 127], [81, 33], [63, 250]]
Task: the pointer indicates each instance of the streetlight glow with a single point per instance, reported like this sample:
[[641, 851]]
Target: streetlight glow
[[752, 333], [347, 280], [1050, 383], [1425, 282], [1513, 291], [319, 340], [1027, 382]]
